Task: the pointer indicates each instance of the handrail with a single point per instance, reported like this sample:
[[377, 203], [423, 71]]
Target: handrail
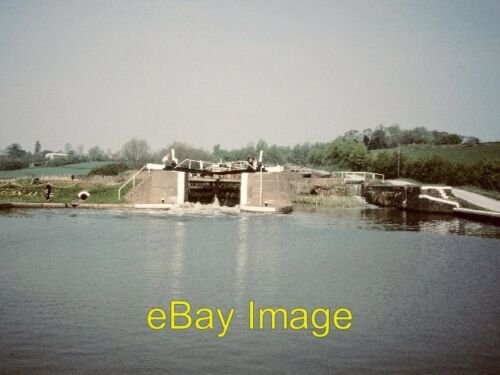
[[342, 174], [130, 179], [346, 175]]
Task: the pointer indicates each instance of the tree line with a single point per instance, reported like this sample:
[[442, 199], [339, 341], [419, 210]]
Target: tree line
[[15, 157], [351, 151], [383, 137]]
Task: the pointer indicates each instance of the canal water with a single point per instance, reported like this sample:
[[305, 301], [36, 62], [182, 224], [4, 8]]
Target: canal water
[[76, 287]]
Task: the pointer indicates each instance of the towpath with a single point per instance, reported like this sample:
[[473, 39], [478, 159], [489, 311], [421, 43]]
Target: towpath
[[400, 182], [473, 198], [477, 199]]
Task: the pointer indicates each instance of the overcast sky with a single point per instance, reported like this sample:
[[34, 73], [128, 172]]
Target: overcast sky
[[207, 72]]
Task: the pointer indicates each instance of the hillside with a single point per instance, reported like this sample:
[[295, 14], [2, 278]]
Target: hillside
[[463, 153], [79, 169]]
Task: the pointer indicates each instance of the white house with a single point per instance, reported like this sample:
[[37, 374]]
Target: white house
[[55, 155]]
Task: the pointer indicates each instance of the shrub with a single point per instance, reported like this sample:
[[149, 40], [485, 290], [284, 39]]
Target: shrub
[[435, 169], [486, 174], [113, 169]]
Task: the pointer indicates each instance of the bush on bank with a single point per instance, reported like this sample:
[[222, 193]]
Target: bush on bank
[[109, 169], [435, 169]]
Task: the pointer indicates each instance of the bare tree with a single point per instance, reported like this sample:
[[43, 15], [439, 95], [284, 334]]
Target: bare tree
[[96, 154], [136, 152], [68, 148]]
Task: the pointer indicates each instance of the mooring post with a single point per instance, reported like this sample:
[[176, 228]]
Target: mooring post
[[260, 200]]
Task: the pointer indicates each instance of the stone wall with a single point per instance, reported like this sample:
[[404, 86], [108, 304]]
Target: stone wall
[[409, 197], [304, 185]]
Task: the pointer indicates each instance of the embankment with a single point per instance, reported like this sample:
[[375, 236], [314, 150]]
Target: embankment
[[435, 199]]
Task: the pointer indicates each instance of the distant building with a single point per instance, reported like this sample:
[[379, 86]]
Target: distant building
[[55, 155]]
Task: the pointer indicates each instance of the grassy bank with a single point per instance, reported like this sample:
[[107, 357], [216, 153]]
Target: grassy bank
[[332, 201], [78, 169], [467, 154], [22, 191]]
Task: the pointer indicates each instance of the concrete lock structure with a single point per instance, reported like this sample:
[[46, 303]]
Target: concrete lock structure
[[253, 192], [265, 192], [160, 187]]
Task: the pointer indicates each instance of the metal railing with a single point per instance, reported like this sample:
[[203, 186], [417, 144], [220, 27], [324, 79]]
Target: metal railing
[[358, 175], [345, 175], [207, 166], [306, 170], [128, 181]]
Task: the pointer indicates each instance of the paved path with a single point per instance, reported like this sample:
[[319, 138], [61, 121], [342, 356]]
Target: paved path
[[400, 182], [477, 199]]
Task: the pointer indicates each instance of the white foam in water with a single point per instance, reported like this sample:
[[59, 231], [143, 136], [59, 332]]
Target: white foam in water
[[189, 208], [216, 202]]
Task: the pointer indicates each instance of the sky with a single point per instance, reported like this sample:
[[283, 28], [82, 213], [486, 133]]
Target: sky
[[233, 72]]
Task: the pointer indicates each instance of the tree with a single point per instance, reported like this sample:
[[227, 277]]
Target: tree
[[394, 135], [38, 147], [15, 151], [299, 154], [378, 139], [386, 163], [418, 135], [277, 154], [96, 154], [353, 135], [366, 140], [136, 152], [261, 145], [316, 156], [358, 157], [367, 135], [217, 152], [471, 141], [15, 158], [346, 155], [453, 139], [68, 147], [186, 151]]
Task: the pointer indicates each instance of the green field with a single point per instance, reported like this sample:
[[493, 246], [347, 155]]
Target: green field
[[79, 169], [24, 191], [461, 153]]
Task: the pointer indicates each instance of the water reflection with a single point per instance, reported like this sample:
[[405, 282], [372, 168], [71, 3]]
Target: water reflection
[[177, 259], [241, 259], [393, 219], [77, 299]]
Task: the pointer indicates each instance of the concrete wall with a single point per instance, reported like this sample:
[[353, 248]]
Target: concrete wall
[[408, 197], [172, 187], [275, 189], [162, 187]]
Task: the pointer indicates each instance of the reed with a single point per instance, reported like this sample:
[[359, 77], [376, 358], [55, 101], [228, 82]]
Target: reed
[[334, 201]]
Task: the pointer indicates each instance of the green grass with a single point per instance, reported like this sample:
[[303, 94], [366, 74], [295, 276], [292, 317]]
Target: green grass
[[62, 193], [332, 201], [78, 169], [460, 153]]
